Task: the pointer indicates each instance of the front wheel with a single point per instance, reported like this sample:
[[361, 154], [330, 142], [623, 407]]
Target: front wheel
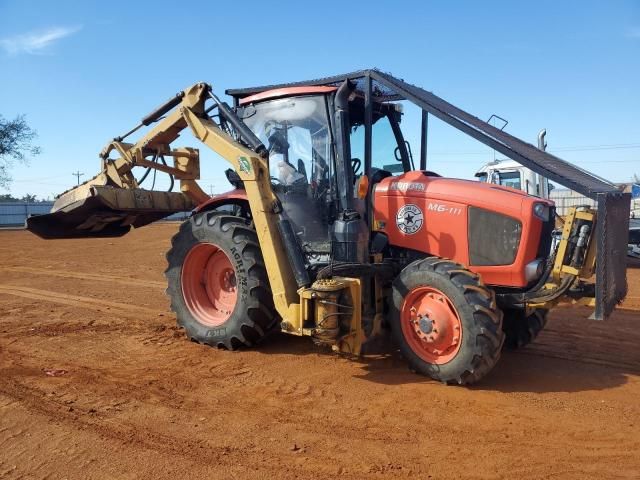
[[445, 321]]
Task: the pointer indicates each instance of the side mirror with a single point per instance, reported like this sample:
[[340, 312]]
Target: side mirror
[[406, 142]]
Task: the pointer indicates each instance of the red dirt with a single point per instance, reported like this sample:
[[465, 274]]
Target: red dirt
[[97, 382]]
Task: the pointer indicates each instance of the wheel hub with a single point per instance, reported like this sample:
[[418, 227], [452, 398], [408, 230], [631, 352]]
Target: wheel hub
[[425, 325], [431, 325], [209, 284]]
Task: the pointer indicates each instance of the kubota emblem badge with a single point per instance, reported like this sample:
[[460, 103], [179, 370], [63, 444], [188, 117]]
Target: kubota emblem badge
[[245, 165], [409, 219]]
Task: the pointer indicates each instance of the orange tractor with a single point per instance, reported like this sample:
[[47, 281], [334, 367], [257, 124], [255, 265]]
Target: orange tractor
[[331, 230]]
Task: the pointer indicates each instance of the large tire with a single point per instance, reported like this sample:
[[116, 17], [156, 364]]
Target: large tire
[[217, 281], [521, 329], [445, 321]]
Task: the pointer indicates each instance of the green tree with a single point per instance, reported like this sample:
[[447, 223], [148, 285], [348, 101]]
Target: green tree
[[16, 144], [7, 197]]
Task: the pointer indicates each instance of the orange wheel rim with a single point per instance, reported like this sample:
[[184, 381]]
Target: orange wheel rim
[[431, 325], [208, 283]]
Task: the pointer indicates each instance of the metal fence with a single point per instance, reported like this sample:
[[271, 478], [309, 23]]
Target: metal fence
[[14, 214], [565, 199]]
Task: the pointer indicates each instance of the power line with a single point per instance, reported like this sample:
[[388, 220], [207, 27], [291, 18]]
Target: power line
[[581, 148], [597, 147]]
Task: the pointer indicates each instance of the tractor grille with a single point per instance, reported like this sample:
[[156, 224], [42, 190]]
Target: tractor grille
[[493, 238]]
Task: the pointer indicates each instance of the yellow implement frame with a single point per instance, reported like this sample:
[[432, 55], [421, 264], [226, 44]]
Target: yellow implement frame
[[588, 266], [562, 269]]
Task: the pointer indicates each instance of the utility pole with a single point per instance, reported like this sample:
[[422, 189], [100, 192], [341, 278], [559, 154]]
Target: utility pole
[[211, 189], [78, 174]]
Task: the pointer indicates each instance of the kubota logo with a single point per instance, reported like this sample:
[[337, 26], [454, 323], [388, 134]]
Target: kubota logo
[[409, 219]]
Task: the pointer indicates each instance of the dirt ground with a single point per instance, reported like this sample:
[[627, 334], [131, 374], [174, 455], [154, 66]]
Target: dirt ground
[[97, 382]]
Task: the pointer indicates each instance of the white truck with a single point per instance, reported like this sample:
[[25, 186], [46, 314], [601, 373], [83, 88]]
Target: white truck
[[510, 173]]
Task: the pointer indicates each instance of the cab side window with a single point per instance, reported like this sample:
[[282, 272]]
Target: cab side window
[[383, 145]]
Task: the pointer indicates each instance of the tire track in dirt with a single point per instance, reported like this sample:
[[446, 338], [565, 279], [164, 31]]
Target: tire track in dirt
[[86, 276], [553, 351], [95, 390], [78, 301], [551, 344], [607, 347], [131, 435]]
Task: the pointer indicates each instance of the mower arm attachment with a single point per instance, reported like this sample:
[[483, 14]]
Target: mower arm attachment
[[112, 202]]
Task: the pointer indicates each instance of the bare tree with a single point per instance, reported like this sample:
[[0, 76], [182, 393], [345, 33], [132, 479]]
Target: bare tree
[[16, 144]]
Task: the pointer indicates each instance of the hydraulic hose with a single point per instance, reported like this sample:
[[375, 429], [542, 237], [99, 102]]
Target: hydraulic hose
[[352, 269], [538, 296], [548, 295], [241, 128], [171, 179]]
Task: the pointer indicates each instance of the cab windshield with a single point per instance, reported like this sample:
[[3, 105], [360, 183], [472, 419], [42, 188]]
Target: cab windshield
[[295, 130], [510, 179]]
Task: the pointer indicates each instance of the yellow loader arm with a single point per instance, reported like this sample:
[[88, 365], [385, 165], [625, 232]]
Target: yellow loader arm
[[112, 202]]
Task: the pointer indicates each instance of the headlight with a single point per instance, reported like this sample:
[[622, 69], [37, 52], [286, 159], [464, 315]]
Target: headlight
[[541, 211], [533, 270]]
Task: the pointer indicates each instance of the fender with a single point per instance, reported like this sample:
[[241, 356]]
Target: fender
[[232, 197]]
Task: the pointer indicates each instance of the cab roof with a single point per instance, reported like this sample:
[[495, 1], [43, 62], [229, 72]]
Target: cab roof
[[285, 92]]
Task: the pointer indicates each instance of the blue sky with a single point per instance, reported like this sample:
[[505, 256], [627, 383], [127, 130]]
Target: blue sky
[[86, 71]]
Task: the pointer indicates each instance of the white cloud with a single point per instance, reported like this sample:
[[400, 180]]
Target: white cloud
[[633, 33], [36, 42]]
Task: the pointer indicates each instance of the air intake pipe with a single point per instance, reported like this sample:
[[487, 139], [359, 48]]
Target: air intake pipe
[[349, 236], [343, 145]]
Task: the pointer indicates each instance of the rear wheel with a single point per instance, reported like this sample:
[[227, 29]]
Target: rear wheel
[[217, 281], [445, 321], [520, 328]]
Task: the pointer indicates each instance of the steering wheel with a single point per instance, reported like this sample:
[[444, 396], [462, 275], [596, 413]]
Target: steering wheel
[[356, 163]]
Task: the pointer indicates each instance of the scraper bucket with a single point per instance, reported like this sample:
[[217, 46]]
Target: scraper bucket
[[105, 211]]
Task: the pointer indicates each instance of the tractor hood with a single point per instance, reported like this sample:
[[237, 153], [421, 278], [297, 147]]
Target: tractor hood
[[506, 200]]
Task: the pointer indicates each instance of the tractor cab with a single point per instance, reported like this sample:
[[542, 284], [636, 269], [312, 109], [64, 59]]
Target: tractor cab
[[313, 179]]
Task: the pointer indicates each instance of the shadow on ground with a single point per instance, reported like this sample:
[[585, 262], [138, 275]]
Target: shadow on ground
[[539, 368], [572, 354]]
